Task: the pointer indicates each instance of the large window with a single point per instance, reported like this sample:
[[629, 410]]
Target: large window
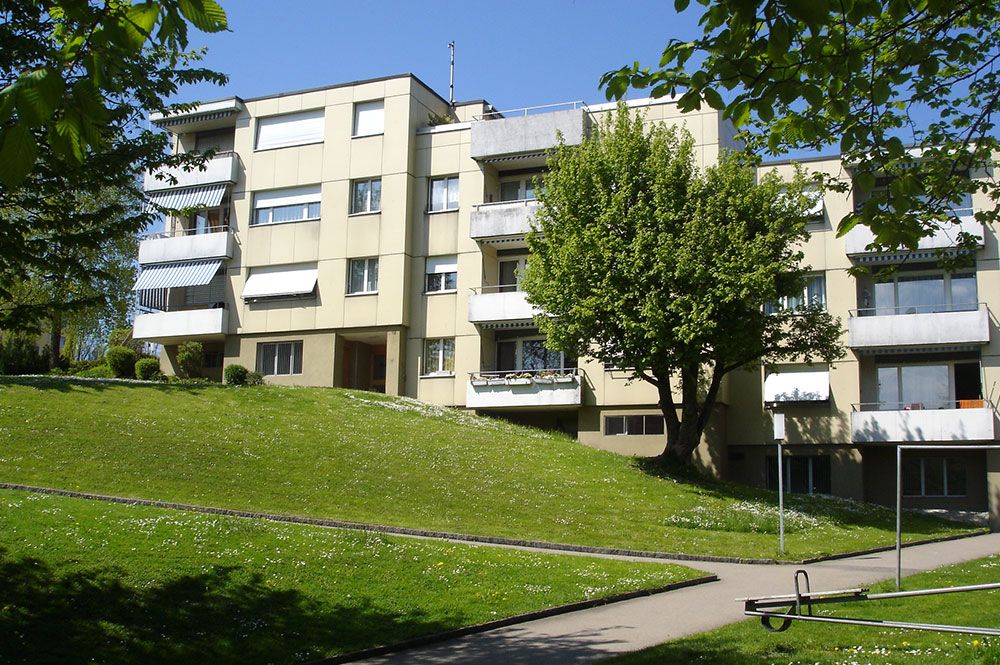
[[369, 118], [444, 193], [529, 353], [510, 271], [282, 131], [442, 274], [363, 276], [922, 293], [633, 425], [933, 476], [521, 188], [366, 196], [804, 474], [439, 356], [279, 358], [294, 204], [813, 293], [928, 386]]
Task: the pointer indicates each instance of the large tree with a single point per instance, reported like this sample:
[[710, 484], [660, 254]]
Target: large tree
[[642, 261], [908, 90]]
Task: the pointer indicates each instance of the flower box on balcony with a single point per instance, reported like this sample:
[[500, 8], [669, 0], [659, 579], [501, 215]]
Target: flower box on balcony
[[565, 379], [518, 382], [480, 382], [498, 381]]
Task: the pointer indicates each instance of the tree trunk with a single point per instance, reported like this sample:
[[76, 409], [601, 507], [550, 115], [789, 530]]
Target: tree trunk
[[684, 433], [55, 336]]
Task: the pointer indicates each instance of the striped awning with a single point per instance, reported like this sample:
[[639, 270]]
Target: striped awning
[[172, 275], [206, 196], [513, 158]]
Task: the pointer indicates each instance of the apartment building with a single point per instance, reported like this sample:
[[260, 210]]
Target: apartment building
[[370, 235]]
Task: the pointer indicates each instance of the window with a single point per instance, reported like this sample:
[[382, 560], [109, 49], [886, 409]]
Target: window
[[933, 476], [814, 293], [632, 425], [929, 386], [295, 204], [282, 131], [213, 293], [441, 274], [439, 356], [363, 276], [518, 189], [510, 272], [530, 353], [803, 474], [444, 193], [919, 294], [369, 118], [211, 359], [208, 220], [366, 196], [279, 358]]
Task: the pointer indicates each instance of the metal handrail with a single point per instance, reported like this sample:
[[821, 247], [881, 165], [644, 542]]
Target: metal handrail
[[518, 373], [496, 288], [526, 110], [523, 202], [921, 406], [904, 310], [182, 232]]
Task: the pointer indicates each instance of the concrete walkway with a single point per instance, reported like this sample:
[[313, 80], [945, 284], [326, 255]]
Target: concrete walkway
[[592, 635]]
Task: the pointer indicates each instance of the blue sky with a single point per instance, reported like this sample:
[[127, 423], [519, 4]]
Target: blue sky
[[512, 53]]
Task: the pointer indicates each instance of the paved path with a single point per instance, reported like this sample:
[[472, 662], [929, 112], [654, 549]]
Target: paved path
[[591, 635]]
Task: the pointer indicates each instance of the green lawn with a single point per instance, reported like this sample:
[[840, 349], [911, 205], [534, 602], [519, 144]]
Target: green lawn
[[828, 644], [84, 581], [368, 458]]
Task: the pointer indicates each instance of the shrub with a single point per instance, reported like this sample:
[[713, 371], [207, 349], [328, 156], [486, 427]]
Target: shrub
[[121, 360], [189, 357], [19, 355], [78, 366], [235, 375], [147, 369], [99, 372], [123, 337], [255, 379]]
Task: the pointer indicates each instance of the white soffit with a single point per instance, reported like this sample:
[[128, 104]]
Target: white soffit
[[173, 275], [811, 386], [278, 283], [209, 196]]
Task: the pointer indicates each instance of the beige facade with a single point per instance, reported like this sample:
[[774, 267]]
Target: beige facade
[[346, 241]]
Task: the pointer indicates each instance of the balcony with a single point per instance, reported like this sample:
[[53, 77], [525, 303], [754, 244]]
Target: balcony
[[972, 420], [183, 246], [180, 326], [528, 131], [857, 239], [909, 327], [221, 169], [503, 223], [545, 388], [500, 304]]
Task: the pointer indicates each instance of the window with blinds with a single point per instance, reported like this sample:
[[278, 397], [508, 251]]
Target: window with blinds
[[282, 131]]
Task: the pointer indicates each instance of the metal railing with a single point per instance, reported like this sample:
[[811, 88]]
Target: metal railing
[[978, 403], [182, 232], [903, 310], [516, 202], [496, 288], [530, 110], [536, 375]]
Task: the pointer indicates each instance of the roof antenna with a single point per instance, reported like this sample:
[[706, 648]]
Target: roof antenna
[[451, 74]]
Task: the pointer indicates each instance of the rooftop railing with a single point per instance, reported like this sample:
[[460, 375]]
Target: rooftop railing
[[902, 310], [530, 110]]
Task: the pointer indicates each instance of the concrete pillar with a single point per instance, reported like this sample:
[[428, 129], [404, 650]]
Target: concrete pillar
[[993, 487], [395, 362], [338, 361]]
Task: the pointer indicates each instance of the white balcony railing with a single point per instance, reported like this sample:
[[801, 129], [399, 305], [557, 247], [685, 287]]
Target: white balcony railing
[[178, 326], [500, 303], [856, 240], [524, 388], [964, 420], [223, 168], [916, 326], [505, 221], [183, 246]]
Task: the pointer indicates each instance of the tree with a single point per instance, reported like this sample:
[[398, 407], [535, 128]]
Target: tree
[[868, 76], [78, 79], [641, 261]]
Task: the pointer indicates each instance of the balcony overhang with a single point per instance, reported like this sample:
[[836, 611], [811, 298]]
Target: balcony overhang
[[220, 171], [937, 425], [200, 117], [932, 330], [182, 326], [203, 246]]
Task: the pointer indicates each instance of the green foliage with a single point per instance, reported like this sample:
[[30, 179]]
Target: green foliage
[[642, 261], [235, 375], [189, 359], [147, 369], [20, 355], [97, 372], [123, 337], [121, 360], [255, 379], [78, 366], [858, 76]]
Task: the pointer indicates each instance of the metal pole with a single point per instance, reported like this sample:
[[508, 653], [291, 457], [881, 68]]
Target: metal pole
[[451, 74], [899, 516], [781, 499]]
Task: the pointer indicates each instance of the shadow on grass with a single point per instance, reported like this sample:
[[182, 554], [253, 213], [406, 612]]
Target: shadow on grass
[[227, 615], [67, 384]]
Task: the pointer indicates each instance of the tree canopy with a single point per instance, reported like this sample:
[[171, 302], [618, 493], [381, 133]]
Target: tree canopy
[[642, 261], [907, 90]]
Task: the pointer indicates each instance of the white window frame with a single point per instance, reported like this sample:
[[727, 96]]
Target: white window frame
[[522, 265], [307, 198], [645, 417], [522, 187], [519, 353], [313, 120], [947, 306], [369, 261], [369, 210], [441, 356], [782, 304], [369, 106], [450, 181], [295, 344], [443, 266]]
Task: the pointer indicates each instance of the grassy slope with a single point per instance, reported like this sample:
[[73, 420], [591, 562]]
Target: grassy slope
[[827, 644], [82, 581], [367, 458]]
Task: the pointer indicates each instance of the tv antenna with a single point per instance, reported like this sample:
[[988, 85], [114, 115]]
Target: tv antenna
[[451, 74]]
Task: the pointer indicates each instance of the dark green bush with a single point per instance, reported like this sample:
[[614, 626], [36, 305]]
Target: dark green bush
[[121, 360], [235, 375], [99, 372], [78, 366], [189, 358], [19, 355], [147, 369], [255, 379]]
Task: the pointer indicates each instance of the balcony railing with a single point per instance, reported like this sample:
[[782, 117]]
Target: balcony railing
[[918, 325], [531, 110], [959, 420], [177, 326], [183, 245], [502, 222], [856, 240], [500, 303], [222, 168], [555, 387], [529, 131]]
